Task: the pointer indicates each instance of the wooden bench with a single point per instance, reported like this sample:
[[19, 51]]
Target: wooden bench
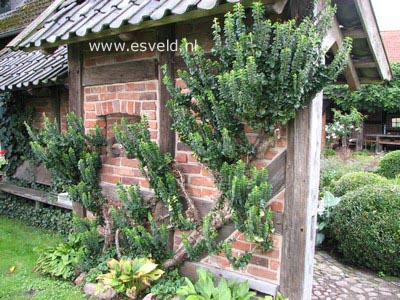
[[37, 174], [35, 195]]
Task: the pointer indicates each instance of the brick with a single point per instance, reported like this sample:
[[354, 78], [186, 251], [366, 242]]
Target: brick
[[90, 124], [107, 170], [244, 246], [202, 181], [205, 172], [128, 96], [191, 169], [110, 178], [193, 191], [90, 115], [123, 171], [89, 106], [138, 108], [149, 106], [270, 154], [108, 96], [281, 143], [259, 164], [153, 125], [272, 254], [115, 88], [259, 261], [92, 97], [210, 193], [130, 110], [144, 184], [126, 162], [181, 158], [261, 272], [148, 96], [135, 87], [276, 242], [108, 160], [129, 180], [222, 262], [277, 206], [151, 86], [153, 134], [274, 264]]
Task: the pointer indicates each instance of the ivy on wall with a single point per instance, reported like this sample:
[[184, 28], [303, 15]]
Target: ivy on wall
[[371, 97], [14, 137]]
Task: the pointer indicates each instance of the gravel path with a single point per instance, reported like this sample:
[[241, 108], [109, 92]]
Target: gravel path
[[335, 281]]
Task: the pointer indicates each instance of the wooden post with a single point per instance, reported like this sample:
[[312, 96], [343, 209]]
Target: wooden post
[[299, 219], [75, 100], [167, 135]]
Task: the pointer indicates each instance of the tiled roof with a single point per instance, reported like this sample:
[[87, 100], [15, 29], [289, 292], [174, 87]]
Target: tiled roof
[[391, 40], [19, 69], [79, 18], [19, 18]]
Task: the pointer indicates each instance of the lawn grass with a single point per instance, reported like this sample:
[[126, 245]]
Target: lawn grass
[[17, 244]]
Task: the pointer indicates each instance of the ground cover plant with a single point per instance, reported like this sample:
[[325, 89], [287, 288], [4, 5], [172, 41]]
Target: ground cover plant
[[18, 259]]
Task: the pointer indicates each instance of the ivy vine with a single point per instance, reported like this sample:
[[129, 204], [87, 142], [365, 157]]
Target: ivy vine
[[371, 97], [14, 137]]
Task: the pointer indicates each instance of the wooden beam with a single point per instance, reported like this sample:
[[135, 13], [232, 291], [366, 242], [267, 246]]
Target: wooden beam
[[166, 134], [350, 71], [356, 33], [368, 20], [137, 70], [271, 6], [301, 197], [75, 79], [364, 63]]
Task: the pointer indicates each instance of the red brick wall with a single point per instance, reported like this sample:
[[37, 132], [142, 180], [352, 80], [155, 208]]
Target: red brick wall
[[43, 101], [391, 41]]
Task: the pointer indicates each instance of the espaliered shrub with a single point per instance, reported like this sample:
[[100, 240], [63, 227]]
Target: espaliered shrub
[[352, 181], [366, 227], [389, 166], [73, 159], [261, 75]]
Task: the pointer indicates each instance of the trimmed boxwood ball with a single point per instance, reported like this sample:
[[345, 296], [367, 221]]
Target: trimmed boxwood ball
[[389, 166], [366, 227], [354, 180]]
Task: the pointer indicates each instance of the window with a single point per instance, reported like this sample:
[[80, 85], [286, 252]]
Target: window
[[5, 6], [396, 122]]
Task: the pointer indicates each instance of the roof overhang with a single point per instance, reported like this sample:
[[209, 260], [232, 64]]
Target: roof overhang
[[62, 23]]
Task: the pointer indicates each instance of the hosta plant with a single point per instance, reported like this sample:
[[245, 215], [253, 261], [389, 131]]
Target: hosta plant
[[205, 289], [129, 276]]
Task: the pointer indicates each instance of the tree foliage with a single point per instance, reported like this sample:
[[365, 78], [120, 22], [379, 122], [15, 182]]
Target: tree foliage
[[371, 97]]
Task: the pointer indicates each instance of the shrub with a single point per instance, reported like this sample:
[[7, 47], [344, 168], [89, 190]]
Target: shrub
[[389, 166], [366, 226], [325, 207], [328, 152], [352, 181], [333, 168]]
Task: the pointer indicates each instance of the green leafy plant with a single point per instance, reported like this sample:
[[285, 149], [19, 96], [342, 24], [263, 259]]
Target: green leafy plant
[[53, 218], [279, 296], [325, 207], [129, 276], [205, 289], [366, 228], [354, 180], [165, 288], [328, 152], [371, 97], [389, 166], [13, 134], [61, 260], [73, 159]]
